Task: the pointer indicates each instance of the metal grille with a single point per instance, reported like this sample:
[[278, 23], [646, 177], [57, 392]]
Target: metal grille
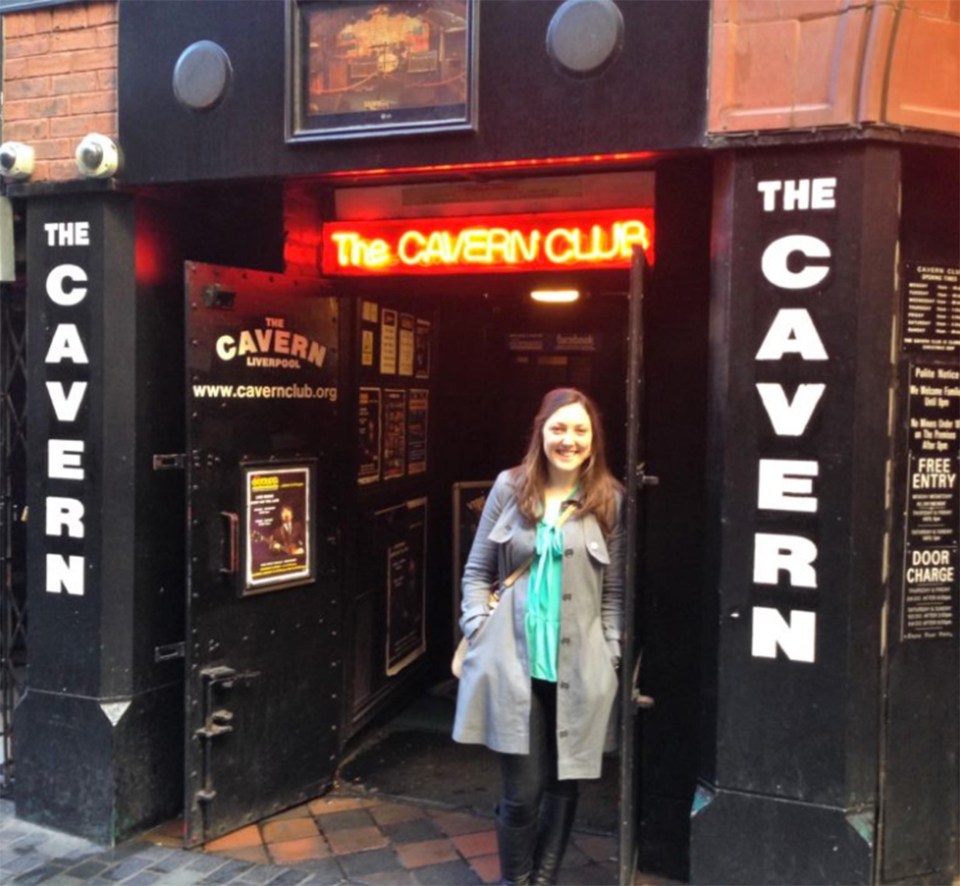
[[13, 612]]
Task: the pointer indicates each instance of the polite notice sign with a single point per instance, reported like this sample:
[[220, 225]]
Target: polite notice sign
[[931, 322], [932, 530]]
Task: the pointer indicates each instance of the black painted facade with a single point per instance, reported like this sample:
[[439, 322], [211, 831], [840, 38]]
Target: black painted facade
[[767, 758]]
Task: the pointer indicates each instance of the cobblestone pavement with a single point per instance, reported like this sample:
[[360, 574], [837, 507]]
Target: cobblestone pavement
[[338, 839]]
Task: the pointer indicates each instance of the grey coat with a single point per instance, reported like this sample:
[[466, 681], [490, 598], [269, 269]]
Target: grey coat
[[493, 701]]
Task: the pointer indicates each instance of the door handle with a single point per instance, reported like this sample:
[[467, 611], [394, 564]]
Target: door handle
[[639, 699], [230, 547]]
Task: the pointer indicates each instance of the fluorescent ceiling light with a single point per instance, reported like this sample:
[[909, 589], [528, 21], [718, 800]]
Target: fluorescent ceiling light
[[555, 295]]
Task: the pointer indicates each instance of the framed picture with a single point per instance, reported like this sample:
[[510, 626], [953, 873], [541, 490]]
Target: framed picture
[[359, 68]]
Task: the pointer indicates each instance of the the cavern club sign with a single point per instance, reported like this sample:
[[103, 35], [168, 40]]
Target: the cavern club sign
[[479, 244]]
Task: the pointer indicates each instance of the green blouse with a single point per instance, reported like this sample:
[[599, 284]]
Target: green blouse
[[543, 602]]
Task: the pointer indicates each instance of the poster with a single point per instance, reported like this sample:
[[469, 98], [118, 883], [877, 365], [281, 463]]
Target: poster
[[277, 527], [369, 318], [368, 436], [388, 342], [418, 408], [406, 625], [931, 587], [394, 433], [422, 352], [405, 347]]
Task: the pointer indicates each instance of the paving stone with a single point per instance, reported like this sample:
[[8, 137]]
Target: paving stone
[[289, 877], [375, 861], [342, 821], [20, 863], [205, 863], [127, 868], [173, 861], [143, 878], [412, 831], [324, 870], [447, 874], [38, 874], [86, 870], [230, 871]]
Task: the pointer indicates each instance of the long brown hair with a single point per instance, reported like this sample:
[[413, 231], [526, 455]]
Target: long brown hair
[[598, 487]]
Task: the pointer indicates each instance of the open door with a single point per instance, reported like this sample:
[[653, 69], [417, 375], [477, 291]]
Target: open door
[[263, 651], [636, 478]]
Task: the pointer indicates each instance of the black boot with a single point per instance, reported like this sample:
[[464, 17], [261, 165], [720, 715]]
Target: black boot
[[556, 822], [515, 843]]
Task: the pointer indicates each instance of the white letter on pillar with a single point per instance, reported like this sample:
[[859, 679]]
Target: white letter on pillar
[[790, 419], [794, 553], [797, 638], [65, 573], [774, 261], [55, 280], [792, 332], [64, 513], [66, 345], [783, 485], [64, 459], [66, 405]]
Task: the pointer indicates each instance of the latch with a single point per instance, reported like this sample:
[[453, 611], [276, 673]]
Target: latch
[[640, 700], [169, 461], [169, 651], [645, 479], [218, 723]]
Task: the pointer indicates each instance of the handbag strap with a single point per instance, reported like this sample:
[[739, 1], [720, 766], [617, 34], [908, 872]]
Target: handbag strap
[[567, 510]]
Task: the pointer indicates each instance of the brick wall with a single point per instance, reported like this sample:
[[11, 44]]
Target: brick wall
[[59, 81], [782, 64]]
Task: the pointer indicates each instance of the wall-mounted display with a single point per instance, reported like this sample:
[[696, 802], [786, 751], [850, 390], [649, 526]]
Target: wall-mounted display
[[388, 342], [406, 626], [360, 68], [278, 503]]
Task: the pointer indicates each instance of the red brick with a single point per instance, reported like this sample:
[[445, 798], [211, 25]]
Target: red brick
[[296, 851], [31, 109], [26, 46], [20, 24], [55, 148], [107, 79], [15, 68], [43, 19], [472, 845], [58, 170], [93, 59], [70, 84], [70, 18], [70, 41], [45, 65], [277, 831], [27, 130], [106, 35], [487, 868], [243, 837], [93, 102], [101, 13], [351, 840], [30, 87]]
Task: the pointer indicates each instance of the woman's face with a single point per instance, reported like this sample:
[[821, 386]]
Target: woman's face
[[567, 438]]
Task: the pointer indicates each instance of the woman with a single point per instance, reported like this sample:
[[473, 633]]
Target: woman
[[539, 679]]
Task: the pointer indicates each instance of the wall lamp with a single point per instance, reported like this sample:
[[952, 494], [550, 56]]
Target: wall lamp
[[16, 160], [98, 156], [555, 296]]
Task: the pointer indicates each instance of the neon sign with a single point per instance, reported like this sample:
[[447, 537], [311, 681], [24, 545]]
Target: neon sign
[[481, 244]]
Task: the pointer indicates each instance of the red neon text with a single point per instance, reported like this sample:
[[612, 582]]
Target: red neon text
[[602, 239]]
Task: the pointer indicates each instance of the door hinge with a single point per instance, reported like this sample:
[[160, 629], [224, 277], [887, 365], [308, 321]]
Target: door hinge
[[169, 651], [218, 723], [169, 461]]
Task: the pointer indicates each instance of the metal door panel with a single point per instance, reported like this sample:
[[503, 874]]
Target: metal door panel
[[262, 656], [636, 477]]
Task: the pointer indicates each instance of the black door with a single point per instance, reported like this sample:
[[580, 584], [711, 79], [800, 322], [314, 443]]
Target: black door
[[262, 651], [636, 478]]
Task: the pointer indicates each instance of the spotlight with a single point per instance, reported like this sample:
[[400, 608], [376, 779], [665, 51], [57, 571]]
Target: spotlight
[[16, 160], [98, 156]]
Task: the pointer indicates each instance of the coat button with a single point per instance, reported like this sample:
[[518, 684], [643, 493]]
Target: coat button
[[568, 597], [568, 552], [593, 546], [564, 685], [564, 641], [562, 734]]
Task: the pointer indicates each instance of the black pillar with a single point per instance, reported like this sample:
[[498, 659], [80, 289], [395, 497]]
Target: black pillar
[[98, 733], [804, 298]]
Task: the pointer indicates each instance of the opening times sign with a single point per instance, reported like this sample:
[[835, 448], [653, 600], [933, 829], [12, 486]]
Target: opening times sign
[[932, 529]]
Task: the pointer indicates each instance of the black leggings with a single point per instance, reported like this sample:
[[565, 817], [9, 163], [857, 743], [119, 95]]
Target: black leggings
[[527, 777]]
